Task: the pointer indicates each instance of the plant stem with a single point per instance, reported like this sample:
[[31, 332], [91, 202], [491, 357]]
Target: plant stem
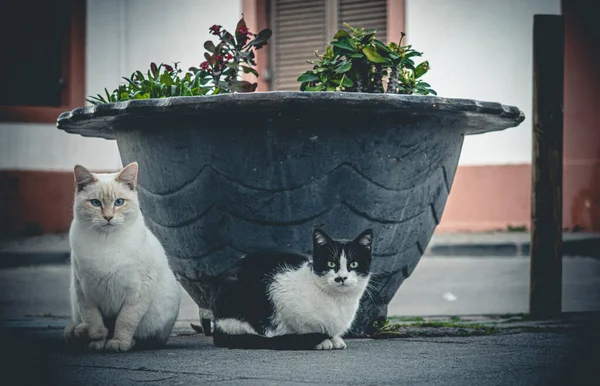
[[392, 87], [378, 78]]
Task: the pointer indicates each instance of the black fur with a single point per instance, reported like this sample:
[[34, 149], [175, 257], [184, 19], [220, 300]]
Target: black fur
[[282, 342], [242, 292], [330, 251]]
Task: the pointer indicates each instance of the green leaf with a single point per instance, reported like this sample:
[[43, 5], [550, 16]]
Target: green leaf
[[108, 96], [432, 92], [373, 56], [261, 38], [421, 69], [381, 46], [228, 38], [411, 54], [239, 36], [347, 82], [343, 67], [343, 44], [308, 77], [249, 70], [319, 87], [210, 46], [341, 33]]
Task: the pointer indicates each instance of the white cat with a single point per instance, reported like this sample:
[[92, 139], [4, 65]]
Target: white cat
[[122, 289]]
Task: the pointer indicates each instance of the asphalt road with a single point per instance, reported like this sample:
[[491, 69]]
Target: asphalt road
[[32, 350], [438, 286], [559, 357]]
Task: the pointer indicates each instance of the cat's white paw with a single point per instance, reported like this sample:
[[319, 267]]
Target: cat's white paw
[[97, 345], [116, 345], [87, 331], [338, 343], [325, 345], [69, 332]]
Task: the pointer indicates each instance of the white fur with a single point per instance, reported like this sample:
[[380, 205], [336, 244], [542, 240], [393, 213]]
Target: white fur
[[118, 271], [306, 303], [235, 327]]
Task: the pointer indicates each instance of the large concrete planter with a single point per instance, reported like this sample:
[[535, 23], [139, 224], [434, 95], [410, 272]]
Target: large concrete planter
[[224, 175]]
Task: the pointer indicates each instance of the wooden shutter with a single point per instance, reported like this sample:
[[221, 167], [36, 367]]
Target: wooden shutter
[[364, 14], [302, 26], [299, 28]]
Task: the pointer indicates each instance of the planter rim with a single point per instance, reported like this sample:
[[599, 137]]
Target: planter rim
[[479, 117]]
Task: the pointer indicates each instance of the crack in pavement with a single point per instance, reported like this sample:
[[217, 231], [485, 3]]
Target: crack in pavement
[[216, 378]]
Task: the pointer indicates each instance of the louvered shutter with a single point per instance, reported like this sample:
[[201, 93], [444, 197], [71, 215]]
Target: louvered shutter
[[364, 14], [299, 28], [302, 26]]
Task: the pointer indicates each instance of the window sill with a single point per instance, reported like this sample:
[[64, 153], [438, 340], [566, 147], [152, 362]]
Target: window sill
[[32, 114]]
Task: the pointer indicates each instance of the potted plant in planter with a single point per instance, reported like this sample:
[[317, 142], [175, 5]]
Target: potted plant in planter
[[226, 173]]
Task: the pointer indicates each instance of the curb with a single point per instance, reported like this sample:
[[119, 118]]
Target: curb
[[55, 249], [588, 246], [21, 259]]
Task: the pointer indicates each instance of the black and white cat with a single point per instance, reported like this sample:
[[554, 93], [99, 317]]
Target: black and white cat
[[284, 300]]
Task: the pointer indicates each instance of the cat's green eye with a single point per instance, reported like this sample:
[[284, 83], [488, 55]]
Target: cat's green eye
[[119, 202], [331, 264], [354, 264], [95, 202]]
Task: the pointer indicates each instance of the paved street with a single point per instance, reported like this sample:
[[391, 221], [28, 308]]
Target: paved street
[[438, 286], [33, 307], [556, 356]]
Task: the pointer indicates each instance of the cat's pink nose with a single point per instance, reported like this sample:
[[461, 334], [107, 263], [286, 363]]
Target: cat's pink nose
[[108, 218]]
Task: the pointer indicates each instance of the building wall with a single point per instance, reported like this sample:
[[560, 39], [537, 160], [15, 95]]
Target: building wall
[[581, 204], [476, 58], [122, 36], [482, 49], [479, 49]]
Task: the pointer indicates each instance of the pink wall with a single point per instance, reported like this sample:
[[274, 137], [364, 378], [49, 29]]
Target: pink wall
[[492, 197]]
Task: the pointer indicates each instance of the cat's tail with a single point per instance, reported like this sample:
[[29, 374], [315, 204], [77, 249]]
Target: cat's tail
[[281, 342]]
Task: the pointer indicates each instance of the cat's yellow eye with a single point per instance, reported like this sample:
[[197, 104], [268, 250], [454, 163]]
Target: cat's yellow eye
[[354, 264], [119, 202], [331, 264], [95, 202]]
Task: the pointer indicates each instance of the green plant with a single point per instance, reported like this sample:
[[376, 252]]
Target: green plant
[[410, 327], [518, 228], [357, 62], [219, 73]]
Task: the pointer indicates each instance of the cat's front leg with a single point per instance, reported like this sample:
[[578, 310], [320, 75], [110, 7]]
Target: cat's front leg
[[335, 343], [88, 325], [133, 309], [338, 343], [327, 344]]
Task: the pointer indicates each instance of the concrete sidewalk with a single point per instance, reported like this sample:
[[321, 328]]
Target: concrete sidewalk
[[565, 351], [49, 249]]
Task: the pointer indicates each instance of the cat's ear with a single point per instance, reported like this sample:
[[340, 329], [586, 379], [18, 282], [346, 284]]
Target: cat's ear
[[128, 175], [83, 177], [365, 238], [320, 238]]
